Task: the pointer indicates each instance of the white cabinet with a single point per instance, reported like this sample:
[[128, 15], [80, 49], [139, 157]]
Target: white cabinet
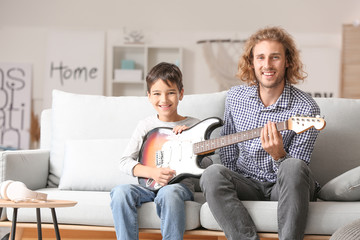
[[138, 60]]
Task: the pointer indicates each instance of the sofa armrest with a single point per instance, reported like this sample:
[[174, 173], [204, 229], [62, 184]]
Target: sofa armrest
[[28, 166]]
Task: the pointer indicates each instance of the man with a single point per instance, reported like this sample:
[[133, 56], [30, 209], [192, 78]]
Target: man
[[273, 167]]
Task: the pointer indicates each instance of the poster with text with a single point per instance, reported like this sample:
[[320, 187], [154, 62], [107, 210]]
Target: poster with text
[[74, 63], [15, 105]]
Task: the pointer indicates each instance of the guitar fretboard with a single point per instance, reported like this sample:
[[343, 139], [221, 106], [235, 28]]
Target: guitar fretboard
[[211, 145]]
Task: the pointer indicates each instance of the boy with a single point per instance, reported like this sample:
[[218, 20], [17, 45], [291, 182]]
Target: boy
[[165, 90]]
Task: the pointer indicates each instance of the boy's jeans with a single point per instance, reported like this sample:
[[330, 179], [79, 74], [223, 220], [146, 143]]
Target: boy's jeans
[[170, 207]]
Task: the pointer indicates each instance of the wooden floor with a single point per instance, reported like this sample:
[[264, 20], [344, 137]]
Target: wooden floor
[[28, 231]]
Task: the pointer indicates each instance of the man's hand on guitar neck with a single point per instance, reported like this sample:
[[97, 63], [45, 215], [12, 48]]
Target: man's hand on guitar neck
[[272, 142], [161, 175]]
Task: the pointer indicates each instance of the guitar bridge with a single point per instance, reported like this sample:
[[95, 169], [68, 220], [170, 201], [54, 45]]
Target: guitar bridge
[[159, 158]]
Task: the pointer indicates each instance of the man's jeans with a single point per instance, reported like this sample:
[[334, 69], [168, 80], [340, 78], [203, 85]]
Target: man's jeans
[[224, 190], [170, 207]]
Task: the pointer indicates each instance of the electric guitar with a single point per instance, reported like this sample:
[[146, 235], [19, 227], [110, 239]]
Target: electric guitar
[[184, 152]]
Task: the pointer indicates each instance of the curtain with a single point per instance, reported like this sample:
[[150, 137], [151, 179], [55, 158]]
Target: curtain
[[222, 59]]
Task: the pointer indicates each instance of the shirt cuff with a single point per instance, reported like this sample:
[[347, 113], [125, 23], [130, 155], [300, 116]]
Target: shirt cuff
[[280, 160]]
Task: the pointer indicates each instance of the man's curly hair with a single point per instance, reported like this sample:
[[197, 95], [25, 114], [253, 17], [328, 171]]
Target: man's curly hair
[[293, 73]]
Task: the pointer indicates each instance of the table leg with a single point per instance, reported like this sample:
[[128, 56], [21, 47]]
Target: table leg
[[13, 225], [38, 217], [56, 227]]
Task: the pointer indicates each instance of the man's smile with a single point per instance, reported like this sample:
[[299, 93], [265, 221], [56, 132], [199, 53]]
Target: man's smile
[[268, 73]]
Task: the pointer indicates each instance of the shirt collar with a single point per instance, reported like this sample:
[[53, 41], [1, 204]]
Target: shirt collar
[[283, 100]]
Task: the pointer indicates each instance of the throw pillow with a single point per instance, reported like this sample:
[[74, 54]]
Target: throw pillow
[[93, 165], [345, 187], [78, 116]]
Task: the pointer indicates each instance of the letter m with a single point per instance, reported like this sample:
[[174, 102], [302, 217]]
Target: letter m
[[78, 72]]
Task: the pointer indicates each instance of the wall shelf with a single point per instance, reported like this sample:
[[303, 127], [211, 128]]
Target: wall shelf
[[144, 58]]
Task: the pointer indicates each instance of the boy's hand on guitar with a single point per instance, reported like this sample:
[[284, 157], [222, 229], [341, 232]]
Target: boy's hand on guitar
[[162, 175], [271, 141], [178, 129]]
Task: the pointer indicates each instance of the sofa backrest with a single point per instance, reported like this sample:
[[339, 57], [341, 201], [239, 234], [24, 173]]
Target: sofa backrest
[[88, 117], [336, 150]]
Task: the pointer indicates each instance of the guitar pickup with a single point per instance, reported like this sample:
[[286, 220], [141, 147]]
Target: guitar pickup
[[159, 158]]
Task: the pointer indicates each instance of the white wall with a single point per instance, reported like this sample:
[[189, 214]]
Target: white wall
[[24, 25]]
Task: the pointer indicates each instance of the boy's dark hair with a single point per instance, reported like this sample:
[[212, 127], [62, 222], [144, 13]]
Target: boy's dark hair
[[168, 72]]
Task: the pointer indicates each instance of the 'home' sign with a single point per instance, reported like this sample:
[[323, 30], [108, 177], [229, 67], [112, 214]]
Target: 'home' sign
[[74, 63]]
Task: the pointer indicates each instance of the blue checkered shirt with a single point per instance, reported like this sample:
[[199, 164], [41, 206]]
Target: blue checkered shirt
[[245, 111]]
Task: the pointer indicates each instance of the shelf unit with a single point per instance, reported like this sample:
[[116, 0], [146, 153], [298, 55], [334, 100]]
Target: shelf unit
[[145, 57], [350, 84]]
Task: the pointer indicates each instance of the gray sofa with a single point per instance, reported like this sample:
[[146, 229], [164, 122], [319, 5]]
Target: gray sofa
[[82, 137]]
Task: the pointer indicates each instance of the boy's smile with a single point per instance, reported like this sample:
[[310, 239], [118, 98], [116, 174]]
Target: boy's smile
[[164, 107], [165, 100]]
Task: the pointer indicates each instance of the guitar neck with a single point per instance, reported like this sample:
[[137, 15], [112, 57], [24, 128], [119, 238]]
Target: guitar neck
[[211, 145]]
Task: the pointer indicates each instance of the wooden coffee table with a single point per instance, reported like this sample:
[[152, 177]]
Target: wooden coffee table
[[52, 204]]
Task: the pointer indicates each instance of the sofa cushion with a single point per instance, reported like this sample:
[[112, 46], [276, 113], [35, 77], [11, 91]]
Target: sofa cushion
[[93, 208], [345, 187], [323, 217], [93, 165]]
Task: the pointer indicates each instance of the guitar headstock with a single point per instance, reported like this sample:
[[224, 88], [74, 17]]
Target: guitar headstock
[[300, 124]]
